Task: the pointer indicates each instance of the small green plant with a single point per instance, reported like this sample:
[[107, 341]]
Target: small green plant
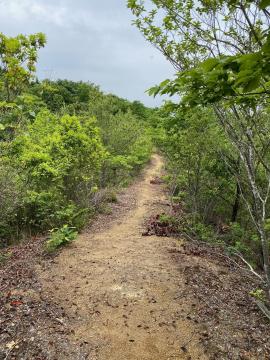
[[204, 232], [167, 219], [166, 178], [179, 197], [258, 294], [60, 237]]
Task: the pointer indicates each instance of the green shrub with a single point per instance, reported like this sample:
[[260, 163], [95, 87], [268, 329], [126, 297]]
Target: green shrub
[[166, 219], [199, 230], [60, 237], [60, 143], [60, 161], [11, 197]]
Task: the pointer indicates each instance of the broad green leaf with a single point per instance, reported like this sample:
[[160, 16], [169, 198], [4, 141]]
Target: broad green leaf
[[209, 64]]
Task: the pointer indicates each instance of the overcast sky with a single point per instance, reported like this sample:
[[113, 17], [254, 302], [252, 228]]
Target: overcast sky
[[89, 40]]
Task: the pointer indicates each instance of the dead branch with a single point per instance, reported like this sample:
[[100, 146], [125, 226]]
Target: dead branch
[[263, 308], [248, 264]]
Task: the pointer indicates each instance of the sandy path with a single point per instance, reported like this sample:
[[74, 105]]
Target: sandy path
[[122, 291]]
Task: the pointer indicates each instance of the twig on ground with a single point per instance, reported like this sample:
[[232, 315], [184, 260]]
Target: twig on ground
[[263, 308], [250, 267]]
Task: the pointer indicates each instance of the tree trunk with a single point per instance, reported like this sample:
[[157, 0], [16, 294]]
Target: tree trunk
[[236, 204], [266, 260]]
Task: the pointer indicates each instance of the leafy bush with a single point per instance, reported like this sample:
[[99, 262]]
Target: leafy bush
[[60, 160], [167, 220], [204, 232], [11, 195], [61, 237], [62, 144]]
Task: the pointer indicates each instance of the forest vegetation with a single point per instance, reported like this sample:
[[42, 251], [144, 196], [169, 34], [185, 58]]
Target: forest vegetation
[[217, 137], [64, 146]]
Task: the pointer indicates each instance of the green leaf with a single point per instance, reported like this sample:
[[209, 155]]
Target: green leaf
[[209, 64], [164, 83], [252, 84], [153, 91]]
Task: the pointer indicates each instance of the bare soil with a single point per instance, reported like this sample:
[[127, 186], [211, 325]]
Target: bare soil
[[122, 290]]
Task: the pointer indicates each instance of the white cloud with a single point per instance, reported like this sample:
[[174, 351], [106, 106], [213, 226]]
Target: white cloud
[[89, 40], [28, 10], [60, 13], [54, 14]]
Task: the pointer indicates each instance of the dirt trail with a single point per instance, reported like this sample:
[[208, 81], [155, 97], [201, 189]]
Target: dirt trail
[[122, 291]]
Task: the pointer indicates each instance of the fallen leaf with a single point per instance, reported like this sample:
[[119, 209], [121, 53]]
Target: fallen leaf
[[16, 303]]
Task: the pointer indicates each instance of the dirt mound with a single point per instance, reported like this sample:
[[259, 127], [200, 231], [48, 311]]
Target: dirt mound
[[159, 225]]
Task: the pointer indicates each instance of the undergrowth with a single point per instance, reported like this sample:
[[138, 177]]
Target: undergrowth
[[60, 237]]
